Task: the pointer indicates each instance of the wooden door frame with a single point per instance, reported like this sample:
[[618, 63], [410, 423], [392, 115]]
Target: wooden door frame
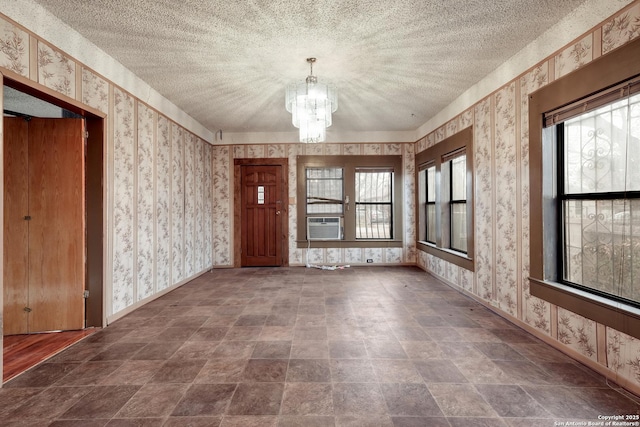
[[95, 192], [237, 206]]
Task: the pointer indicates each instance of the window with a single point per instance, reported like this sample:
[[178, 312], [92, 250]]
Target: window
[[374, 203], [584, 137], [599, 199], [457, 180], [364, 192], [325, 189], [430, 201], [445, 211]]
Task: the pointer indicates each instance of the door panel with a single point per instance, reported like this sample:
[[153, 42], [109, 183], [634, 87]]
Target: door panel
[[261, 215], [56, 228], [44, 229], [16, 206]]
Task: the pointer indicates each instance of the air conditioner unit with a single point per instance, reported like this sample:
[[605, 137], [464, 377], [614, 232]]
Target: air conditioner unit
[[326, 228]]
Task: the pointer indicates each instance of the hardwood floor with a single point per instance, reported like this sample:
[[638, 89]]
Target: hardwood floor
[[22, 352]]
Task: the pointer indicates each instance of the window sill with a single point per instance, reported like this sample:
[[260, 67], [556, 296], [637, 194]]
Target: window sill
[[458, 258], [369, 243], [617, 315]]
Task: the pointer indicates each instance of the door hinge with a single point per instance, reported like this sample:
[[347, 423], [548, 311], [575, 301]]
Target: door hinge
[[86, 134], [27, 217], [85, 294]]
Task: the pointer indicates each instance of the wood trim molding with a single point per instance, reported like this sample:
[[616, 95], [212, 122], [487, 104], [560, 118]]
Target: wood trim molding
[[38, 90], [350, 163], [96, 177], [433, 155], [605, 71]]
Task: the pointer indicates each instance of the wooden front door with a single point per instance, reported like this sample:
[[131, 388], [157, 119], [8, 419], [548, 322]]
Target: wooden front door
[[262, 214], [44, 242]]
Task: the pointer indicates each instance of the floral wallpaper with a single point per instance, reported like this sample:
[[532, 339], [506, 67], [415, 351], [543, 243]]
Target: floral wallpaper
[[502, 206], [144, 176], [189, 205], [506, 194], [621, 29], [124, 201], [198, 242], [177, 204], [223, 202], [623, 355], [222, 205], [409, 220], [207, 202], [451, 273], [145, 160], [574, 57], [14, 49], [483, 212], [536, 312], [95, 91], [56, 71], [170, 204], [163, 203], [295, 254], [577, 332], [353, 256]]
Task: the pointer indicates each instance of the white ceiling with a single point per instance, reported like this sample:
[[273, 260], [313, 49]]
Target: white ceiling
[[395, 63]]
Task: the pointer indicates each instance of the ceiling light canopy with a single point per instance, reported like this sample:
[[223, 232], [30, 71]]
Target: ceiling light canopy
[[311, 104]]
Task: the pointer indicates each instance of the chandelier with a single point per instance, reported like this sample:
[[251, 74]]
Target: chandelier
[[311, 104]]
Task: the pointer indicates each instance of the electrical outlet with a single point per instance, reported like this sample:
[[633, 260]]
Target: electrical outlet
[[369, 260]]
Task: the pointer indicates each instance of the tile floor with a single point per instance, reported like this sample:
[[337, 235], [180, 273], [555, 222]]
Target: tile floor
[[304, 347]]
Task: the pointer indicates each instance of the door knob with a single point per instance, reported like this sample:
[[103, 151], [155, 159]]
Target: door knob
[[277, 212]]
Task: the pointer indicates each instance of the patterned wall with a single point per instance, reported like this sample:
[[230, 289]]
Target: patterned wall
[[123, 201], [160, 176], [164, 226], [223, 202], [502, 235]]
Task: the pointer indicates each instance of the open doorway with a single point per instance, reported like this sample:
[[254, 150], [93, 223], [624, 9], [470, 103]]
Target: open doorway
[[52, 221]]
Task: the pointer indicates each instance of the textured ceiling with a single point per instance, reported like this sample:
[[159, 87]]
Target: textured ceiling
[[395, 63]]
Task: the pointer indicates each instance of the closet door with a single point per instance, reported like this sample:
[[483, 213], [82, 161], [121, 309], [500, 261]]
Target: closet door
[[16, 231], [57, 225], [44, 225]]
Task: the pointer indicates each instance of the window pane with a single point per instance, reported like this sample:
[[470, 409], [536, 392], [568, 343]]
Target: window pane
[[373, 221], [459, 178], [602, 241], [459, 226], [373, 194], [373, 186], [325, 190], [431, 222], [602, 149], [431, 184]]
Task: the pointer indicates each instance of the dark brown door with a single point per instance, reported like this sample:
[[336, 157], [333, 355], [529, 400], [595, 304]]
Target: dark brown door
[[45, 246], [262, 215]]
